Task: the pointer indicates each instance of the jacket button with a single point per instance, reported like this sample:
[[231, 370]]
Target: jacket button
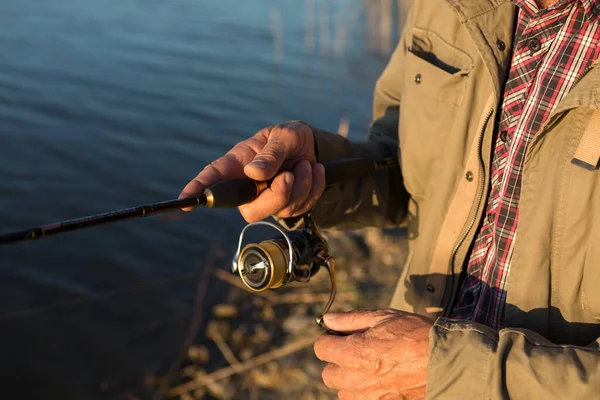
[[418, 78], [469, 176], [534, 45], [501, 45], [504, 136], [430, 288]]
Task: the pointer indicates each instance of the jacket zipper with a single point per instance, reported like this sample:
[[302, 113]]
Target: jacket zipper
[[477, 205]]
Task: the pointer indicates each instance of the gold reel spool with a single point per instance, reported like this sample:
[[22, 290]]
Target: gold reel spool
[[265, 265], [262, 266]]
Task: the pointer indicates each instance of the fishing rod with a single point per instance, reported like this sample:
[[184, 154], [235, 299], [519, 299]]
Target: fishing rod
[[291, 256], [226, 194]]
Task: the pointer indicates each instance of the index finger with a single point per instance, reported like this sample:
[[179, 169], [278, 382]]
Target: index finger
[[230, 166], [211, 174], [339, 350]]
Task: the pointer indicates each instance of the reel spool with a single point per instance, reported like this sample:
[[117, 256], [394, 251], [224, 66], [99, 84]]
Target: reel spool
[[292, 256], [265, 265], [261, 266]]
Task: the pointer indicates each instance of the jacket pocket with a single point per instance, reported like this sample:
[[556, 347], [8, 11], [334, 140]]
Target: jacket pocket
[[436, 75], [436, 68]]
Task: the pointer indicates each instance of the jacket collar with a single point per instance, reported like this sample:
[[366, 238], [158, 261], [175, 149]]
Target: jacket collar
[[487, 22], [469, 9]]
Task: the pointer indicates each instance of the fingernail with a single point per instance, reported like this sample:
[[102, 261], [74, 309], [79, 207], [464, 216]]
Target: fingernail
[[259, 164], [289, 179], [330, 316]]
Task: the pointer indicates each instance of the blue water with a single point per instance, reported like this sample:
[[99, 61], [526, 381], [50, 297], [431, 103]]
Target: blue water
[[112, 103]]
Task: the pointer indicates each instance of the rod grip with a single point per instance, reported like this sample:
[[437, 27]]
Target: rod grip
[[233, 193]]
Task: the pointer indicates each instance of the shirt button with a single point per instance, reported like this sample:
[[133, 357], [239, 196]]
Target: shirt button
[[534, 45], [501, 45], [504, 136], [418, 78], [430, 288], [469, 176], [490, 218], [469, 297]]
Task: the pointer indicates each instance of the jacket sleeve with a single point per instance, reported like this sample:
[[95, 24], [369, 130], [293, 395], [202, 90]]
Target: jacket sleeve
[[380, 200], [472, 361]]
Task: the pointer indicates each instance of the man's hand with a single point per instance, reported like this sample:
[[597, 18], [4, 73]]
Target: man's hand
[[288, 146], [384, 357]]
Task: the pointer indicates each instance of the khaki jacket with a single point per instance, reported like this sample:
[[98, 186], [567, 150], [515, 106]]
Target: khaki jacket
[[438, 115]]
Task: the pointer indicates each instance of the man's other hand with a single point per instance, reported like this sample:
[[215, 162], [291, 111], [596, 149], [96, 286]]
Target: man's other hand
[[289, 147], [384, 356]]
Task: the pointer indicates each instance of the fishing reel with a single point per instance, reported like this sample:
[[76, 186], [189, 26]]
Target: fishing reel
[[293, 256]]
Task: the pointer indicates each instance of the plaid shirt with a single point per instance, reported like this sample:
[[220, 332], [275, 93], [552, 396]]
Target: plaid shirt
[[552, 48]]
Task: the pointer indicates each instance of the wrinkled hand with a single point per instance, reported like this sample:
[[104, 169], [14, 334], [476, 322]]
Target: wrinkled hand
[[290, 147], [384, 357]]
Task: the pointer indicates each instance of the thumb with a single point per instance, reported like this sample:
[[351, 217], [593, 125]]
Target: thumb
[[268, 161], [357, 320]]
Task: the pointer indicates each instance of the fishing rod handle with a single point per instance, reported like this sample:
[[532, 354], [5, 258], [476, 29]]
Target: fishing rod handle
[[233, 193]]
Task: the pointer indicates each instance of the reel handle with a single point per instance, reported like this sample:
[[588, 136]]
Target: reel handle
[[329, 264]]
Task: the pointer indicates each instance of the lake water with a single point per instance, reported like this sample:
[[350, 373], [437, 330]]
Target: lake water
[[107, 104]]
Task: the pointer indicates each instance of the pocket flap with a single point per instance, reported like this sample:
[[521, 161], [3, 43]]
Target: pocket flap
[[431, 47], [435, 69]]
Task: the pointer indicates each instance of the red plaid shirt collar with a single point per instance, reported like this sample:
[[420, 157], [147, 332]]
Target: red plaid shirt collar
[[591, 7]]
